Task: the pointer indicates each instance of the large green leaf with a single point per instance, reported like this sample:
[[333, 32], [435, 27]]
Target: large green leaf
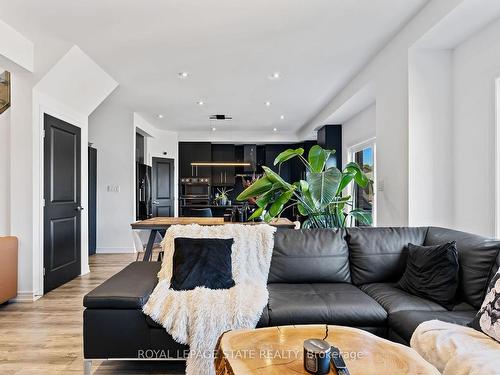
[[347, 177], [302, 209], [364, 217], [359, 176], [287, 155], [257, 188], [318, 157], [279, 203], [257, 213], [276, 178], [306, 196], [267, 197], [323, 186]]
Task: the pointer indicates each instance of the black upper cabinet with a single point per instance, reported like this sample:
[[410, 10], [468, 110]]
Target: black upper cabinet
[[191, 152], [272, 151], [297, 167], [330, 137], [221, 175]]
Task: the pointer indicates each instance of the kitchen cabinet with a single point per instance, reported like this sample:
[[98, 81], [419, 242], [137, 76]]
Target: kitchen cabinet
[[223, 175], [272, 151], [297, 167], [190, 152]]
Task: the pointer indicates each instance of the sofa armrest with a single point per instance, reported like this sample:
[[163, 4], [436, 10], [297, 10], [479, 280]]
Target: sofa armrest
[[8, 268], [128, 289]]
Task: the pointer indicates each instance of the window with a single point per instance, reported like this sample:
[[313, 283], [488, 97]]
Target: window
[[364, 155]]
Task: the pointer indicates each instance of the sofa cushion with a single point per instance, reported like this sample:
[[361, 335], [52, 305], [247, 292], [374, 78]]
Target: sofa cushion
[[477, 256], [379, 254], [339, 303], [310, 256], [432, 273], [128, 289], [264, 318], [393, 299], [404, 323]]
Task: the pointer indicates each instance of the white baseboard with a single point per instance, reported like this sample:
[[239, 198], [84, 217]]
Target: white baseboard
[[25, 297], [115, 250]]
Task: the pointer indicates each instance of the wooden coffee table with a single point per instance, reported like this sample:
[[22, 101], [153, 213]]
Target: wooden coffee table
[[279, 350]]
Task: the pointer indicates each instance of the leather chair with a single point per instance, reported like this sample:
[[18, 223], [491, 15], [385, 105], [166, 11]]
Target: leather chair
[[8, 268], [199, 212]]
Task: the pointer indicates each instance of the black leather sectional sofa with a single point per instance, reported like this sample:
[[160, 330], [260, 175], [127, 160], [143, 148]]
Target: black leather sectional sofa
[[344, 277]]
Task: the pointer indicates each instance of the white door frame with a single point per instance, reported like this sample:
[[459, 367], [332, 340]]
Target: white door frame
[[41, 105], [351, 150], [497, 158]]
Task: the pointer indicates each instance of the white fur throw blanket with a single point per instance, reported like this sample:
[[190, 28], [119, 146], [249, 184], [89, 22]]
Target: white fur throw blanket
[[456, 350], [199, 317]]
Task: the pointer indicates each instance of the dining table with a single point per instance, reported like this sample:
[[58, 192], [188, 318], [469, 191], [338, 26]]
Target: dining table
[[161, 224]]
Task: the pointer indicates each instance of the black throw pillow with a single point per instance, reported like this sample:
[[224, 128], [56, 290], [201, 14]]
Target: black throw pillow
[[202, 262], [432, 273]]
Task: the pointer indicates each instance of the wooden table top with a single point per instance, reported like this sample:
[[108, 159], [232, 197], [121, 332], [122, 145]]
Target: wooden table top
[[165, 222], [279, 350]]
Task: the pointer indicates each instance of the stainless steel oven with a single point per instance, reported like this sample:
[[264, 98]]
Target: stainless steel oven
[[195, 191]]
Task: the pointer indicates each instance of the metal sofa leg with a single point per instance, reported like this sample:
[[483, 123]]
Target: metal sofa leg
[[87, 366]]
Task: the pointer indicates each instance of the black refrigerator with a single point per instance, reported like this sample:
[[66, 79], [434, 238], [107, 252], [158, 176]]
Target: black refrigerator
[[143, 191]]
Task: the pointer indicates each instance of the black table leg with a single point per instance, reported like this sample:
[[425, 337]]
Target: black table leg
[[148, 254]]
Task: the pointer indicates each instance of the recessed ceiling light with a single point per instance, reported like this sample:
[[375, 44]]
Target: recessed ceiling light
[[201, 102], [160, 116], [183, 74], [214, 129], [275, 129], [268, 104], [275, 75], [282, 117]]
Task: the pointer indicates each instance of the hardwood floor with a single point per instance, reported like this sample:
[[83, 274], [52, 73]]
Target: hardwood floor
[[45, 337]]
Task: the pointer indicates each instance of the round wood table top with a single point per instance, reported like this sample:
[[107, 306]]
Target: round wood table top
[[279, 350]]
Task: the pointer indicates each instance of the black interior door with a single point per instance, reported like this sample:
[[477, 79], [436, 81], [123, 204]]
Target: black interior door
[[92, 212], [162, 190], [62, 211]]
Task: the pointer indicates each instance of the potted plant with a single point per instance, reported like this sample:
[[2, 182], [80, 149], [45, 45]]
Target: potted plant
[[222, 196], [320, 197]]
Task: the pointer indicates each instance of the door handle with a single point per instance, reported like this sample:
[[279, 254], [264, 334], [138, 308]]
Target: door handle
[[156, 203], [79, 208]]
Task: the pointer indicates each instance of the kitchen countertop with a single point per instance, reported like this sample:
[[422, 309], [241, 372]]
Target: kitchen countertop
[[211, 206]]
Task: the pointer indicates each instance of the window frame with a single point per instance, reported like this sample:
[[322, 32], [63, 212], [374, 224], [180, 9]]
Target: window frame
[[351, 151]]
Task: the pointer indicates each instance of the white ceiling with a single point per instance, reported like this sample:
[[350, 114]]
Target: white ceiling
[[229, 48]]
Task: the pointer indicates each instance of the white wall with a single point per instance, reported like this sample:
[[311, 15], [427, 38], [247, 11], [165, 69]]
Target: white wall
[[111, 130], [49, 79], [16, 51], [476, 65], [388, 72], [430, 138], [358, 129], [4, 172], [21, 178]]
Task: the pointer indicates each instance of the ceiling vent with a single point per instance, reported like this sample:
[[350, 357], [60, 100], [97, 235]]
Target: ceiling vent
[[220, 117]]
